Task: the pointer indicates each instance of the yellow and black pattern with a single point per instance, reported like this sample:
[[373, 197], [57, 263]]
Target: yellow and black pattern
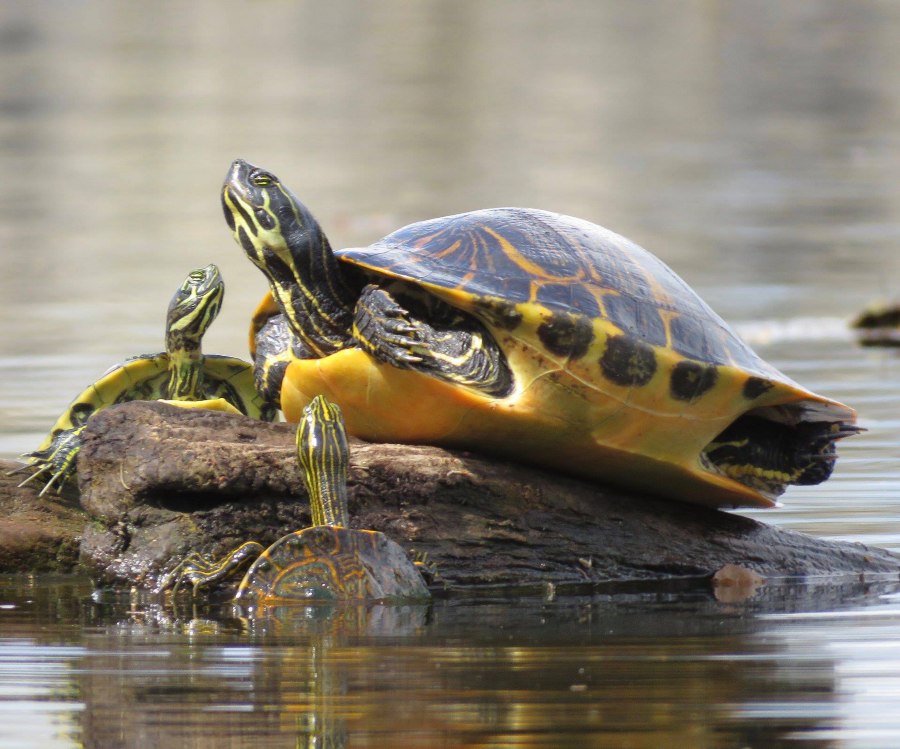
[[202, 571], [763, 453], [331, 564], [592, 346], [192, 310], [326, 562], [577, 272], [324, 456], [439, 342], [270, 224], [182, 375]]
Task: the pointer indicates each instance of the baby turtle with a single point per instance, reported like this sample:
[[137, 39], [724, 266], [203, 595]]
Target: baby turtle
[[328, 561], [182, 376]]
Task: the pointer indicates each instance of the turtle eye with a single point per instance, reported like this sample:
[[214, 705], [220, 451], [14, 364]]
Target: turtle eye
[[262, 179]]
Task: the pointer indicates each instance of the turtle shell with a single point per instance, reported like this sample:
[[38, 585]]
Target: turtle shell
[[329, 563], [228, 386], [621, 371], [574, 273]]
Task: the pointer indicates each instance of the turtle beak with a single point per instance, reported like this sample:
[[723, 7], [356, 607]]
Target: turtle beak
[[235, 185], [238, 175], [213, 276]]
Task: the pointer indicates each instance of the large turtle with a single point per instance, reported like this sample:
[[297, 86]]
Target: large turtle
[[528, 334], [328, 561], [182, 376]]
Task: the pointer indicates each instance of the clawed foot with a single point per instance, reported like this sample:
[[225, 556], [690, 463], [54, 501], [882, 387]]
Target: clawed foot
[[201, 570], [386, 330], [54, 464], [436, 340]]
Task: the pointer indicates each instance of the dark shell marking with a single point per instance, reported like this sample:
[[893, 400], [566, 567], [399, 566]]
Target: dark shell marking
[[691, 379], [80, 413], [500, 314], [570, 267], [628, 361], [755, 387], [566, 335]]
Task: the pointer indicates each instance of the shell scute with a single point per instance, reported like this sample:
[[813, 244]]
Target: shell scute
[[691, 379], [754, 387], [522, 257], [628, 361], [331, 563], [636, 319], [566, 335]]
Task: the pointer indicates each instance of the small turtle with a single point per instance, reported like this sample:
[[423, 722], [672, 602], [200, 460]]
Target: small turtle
[[527, 334], [182, 376], [327, 561]]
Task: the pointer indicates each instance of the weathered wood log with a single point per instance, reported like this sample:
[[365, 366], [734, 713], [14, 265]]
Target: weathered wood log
[[161, 482], [37, 534]]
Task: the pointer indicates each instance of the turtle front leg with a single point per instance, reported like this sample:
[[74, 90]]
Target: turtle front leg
[[459, 350], [201, 571]]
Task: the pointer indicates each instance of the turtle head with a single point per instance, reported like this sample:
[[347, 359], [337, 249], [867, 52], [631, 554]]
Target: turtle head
[[268, 222], [283, 239], [324, 455], [193, 308]]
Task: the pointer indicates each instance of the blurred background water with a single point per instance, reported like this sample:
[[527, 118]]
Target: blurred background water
[[754, 145]]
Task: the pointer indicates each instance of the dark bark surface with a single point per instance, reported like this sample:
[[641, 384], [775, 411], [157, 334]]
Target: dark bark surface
[[160, 482], [37, 534]]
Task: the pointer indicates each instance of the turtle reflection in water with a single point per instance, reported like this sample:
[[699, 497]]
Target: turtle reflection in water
[[328, 561], [181, 376], [537, 336]]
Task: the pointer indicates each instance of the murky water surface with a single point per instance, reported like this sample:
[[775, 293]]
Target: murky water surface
[[752, 145], [638, 670]]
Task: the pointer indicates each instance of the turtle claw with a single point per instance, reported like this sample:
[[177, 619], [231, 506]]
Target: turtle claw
[[408, 358], [56, 481], [30, 476], [845, 430], [19, 469], [57, 478], [42, 468], [385, 329], [58, 459]]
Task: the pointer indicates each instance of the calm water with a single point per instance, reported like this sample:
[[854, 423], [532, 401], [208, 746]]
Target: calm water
[[634, 670], [751, 144]]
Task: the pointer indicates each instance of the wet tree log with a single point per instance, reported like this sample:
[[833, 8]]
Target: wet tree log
[[37, 534], [160, 482]]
